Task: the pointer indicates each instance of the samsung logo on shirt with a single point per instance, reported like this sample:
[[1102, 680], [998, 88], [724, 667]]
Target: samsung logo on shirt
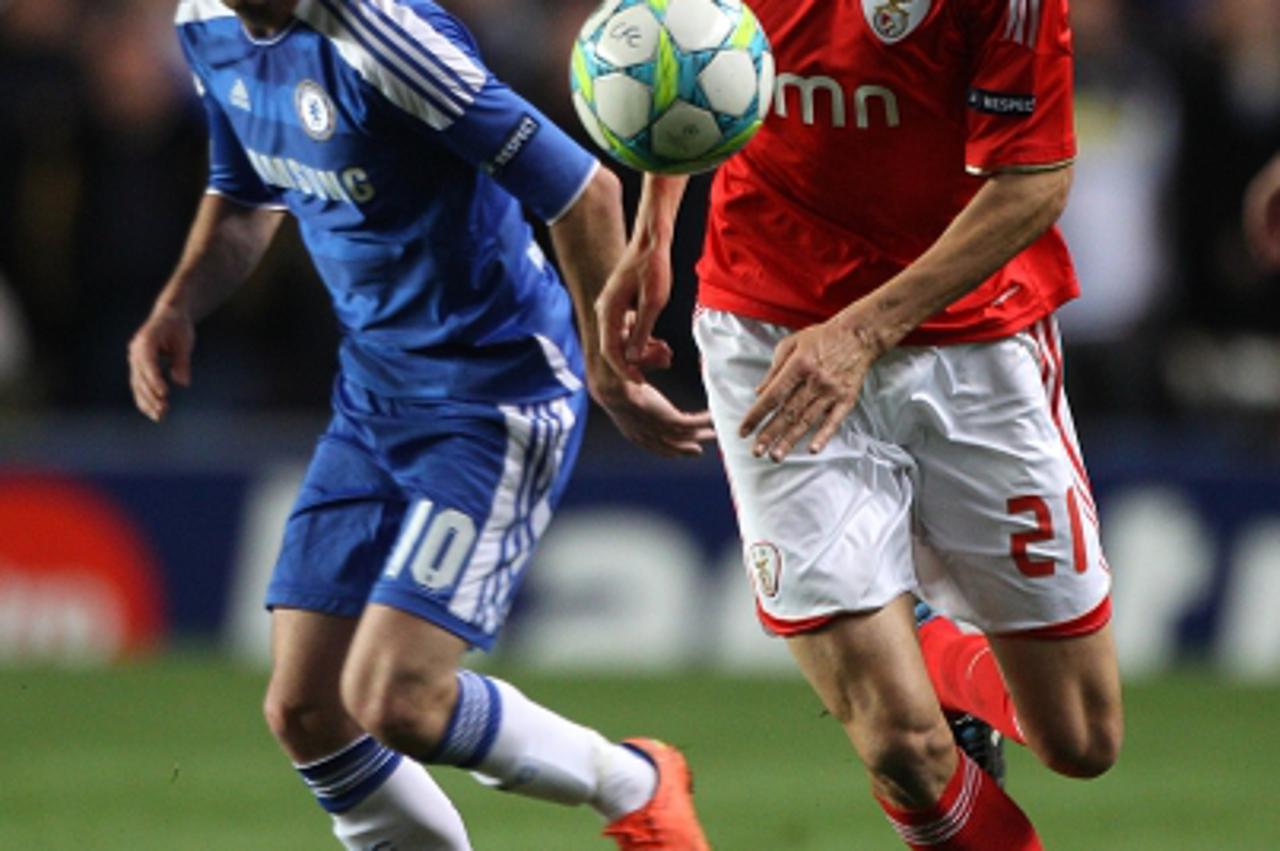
[[350, 185]]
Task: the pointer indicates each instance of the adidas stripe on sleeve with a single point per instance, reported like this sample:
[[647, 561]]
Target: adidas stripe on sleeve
[[230, 173], [1020, 111], [423, 61]]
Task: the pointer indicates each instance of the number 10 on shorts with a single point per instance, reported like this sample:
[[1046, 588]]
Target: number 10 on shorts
[[434, 544]]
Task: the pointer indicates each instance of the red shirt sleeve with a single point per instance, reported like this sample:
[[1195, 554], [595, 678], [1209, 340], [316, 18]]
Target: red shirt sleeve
[[1020, 95]]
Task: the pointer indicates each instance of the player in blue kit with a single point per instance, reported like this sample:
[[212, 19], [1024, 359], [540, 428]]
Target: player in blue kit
[[458, 408]]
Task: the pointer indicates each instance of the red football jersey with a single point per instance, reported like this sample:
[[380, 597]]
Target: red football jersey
[[886, 115]]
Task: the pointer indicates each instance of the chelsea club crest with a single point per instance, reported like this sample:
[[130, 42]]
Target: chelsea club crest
[[315, 110], [894, 20]]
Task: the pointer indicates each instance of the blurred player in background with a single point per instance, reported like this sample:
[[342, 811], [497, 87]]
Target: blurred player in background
[[876, 320], [1262, 215], [458, 408]]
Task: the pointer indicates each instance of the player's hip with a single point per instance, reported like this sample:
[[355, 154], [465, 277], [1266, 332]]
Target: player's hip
[[982, 386], [531, 367], [416, 442], [968, 449], [434, 508]]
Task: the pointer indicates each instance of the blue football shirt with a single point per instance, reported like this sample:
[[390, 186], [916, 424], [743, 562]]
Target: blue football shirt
[[405, 162]]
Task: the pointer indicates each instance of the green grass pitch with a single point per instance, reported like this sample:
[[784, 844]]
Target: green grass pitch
[[171, 754]]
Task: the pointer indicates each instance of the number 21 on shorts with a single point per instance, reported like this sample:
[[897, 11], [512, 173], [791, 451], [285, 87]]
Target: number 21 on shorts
[[1019, 542]]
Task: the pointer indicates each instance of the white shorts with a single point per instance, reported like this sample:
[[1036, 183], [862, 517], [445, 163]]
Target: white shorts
[[957, 476]]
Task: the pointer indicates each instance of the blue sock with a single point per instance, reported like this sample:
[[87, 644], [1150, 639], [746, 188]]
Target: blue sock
[[473, 725], [346, 778]]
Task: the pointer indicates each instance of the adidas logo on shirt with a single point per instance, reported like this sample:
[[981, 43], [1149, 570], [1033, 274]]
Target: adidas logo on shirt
[[239, 96]]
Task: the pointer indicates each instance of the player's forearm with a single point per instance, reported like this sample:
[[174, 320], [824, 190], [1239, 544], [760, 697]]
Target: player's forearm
[[660, 198], [224, 245], [589, 241], [1006, 215]]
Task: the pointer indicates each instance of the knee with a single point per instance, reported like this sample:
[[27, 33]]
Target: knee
[[407, 710], [302, 722], [910, 765], [1085, 753]]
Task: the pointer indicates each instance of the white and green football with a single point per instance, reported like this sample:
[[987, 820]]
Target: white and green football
[[672, 86]]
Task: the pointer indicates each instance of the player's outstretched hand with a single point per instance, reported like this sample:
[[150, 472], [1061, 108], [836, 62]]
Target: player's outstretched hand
[[169, 336], [814, 383], [1262, 216], [628, 308], [648, 419]]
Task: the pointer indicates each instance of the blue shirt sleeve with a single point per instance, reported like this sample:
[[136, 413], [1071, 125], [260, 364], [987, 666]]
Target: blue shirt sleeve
[[230, 172], [486, 123], [530, 156]]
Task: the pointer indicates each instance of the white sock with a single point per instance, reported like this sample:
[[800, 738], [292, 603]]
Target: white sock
[[375, 796], [626, 782], [407, 811], [518, 746]]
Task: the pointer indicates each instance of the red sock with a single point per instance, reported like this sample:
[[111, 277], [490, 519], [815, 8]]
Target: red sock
[[965, 675], [973, 814]]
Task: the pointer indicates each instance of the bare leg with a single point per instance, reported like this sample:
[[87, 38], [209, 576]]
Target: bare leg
[[303, 708], [401, 679], [375, 797], [868, 670], [403, 684], [1067, 692]]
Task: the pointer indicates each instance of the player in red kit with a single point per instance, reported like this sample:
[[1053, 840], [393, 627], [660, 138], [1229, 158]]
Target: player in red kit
[[882, 364]]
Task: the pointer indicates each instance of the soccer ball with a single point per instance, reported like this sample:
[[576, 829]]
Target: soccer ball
[[672, 86]]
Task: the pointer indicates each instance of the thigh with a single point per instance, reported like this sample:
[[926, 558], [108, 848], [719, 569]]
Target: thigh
[[399, 656], [1068, 696], [1004, 512], [822, 534], [389, 638]]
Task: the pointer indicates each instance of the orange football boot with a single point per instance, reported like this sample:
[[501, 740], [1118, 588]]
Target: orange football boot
[[668, 822]]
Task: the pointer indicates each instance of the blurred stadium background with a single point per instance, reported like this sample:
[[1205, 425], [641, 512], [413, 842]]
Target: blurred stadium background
[[132, 556]]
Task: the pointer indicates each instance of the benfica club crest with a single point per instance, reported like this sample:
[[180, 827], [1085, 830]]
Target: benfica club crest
[[765, 565], [894, 20]]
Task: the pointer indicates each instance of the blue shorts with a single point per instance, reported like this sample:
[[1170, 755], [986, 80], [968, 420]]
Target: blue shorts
[[433, 507]]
